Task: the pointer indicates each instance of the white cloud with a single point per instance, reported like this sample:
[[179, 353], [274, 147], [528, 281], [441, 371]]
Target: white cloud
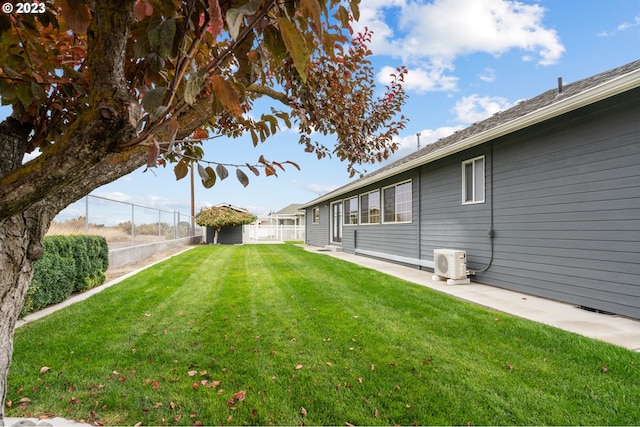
[[488, 75], [431, 36], [409, 143], [422, 79], [622, 27], [149, 200], [473, 108]]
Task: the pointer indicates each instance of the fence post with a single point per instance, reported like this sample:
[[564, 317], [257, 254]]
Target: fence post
[[175, 227], [86, 215], [133, 231]]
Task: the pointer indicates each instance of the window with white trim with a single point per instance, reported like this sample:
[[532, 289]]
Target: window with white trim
[[397, 203], [316, 215], [370, 208], [473, 181], [350, 210]]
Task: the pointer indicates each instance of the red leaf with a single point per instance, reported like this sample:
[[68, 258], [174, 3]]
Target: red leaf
[[154, 152], [143, 9], [155, 384], [293, 163], [216, 18], [253, 169], [76, 14], [240, 395]]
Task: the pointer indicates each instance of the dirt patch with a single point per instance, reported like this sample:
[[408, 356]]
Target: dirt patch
[[114, 273]]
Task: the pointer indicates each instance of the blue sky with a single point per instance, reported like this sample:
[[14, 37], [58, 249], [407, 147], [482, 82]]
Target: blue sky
[[467, 59]]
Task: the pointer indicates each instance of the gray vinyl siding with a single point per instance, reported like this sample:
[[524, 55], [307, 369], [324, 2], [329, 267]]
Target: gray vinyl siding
[[387, 238], [317, 234], [562, 202], [567, 209], [445, 222]]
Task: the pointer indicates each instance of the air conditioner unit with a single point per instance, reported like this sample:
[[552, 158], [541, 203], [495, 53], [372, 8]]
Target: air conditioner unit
[[450, 264]]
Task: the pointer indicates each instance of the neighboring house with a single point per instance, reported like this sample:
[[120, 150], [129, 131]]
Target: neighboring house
[[285, 225], [227, 235], [290, 215], [543, 197]]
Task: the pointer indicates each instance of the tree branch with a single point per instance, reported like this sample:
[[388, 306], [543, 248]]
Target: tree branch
[[271, 93]]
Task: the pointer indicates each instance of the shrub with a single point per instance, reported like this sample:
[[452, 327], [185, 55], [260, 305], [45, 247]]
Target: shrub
[[70, 264]]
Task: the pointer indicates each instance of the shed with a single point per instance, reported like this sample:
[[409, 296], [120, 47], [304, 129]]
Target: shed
[[228, 235]]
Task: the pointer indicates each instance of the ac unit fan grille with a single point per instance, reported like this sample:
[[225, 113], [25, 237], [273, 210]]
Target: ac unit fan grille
[[443, 264]]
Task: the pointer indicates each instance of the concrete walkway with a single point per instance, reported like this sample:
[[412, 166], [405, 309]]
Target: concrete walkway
[[617, 330]]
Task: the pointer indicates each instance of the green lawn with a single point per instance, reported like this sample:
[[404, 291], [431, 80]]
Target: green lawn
[[274, 335]]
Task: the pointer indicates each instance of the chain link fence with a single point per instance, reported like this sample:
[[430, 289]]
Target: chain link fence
[[123, 224]]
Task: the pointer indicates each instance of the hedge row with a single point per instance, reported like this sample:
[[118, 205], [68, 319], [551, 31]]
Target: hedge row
[[70, 264]]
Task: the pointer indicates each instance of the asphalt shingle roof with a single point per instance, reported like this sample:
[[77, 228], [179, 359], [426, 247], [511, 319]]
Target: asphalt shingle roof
[[523, 108]]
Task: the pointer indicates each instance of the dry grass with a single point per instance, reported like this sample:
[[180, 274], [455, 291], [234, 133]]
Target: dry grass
[[112, 234]]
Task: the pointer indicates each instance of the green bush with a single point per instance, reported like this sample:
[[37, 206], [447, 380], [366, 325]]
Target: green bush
[[70, 264]]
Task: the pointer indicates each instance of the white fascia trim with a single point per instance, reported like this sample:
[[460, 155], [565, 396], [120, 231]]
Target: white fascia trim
[[603, 91]]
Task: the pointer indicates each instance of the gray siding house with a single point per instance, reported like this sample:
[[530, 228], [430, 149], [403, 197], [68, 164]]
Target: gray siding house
[[543, 197]]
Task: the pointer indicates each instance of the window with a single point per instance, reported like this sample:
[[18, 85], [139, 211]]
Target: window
[[316, 215], [351, 211], [397, 203], [473, 181], [370, 208]]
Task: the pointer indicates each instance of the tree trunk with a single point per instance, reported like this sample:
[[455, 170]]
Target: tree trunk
[[20, 245]]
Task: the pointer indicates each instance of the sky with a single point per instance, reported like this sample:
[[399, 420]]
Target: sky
[[467, 59]]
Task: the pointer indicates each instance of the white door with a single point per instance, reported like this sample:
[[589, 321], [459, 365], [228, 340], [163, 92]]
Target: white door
[[336, 222]]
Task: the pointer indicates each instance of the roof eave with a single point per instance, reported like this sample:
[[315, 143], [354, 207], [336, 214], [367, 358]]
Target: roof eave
[[597, 93]]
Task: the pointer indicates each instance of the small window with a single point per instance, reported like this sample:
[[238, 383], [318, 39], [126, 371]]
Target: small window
[[397, 203], [473, 181], [316, 215], [351, 211], [370, 208]]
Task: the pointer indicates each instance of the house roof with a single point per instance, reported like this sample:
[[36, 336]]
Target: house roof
[[292, 209], [230, 206], [547, 105]]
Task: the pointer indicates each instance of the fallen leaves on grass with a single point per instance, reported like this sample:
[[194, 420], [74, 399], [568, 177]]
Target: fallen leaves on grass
[[44, 369]]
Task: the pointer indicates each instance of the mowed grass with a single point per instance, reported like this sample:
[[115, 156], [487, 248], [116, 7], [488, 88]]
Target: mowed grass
[[274, 335]]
